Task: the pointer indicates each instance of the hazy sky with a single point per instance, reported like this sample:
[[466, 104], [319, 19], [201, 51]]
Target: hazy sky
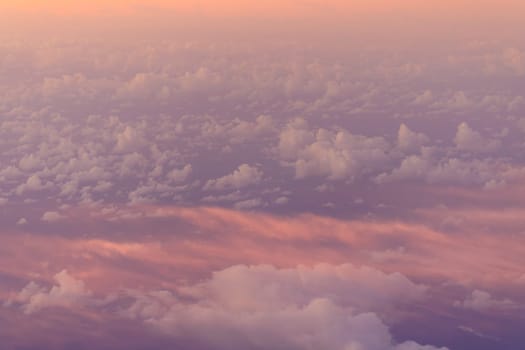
[[266, 175]]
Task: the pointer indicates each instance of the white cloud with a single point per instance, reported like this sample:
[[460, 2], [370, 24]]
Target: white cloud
[[321, 307], [293, 138], [33, 184], [435, 170], [325, 307], [52, 216], [129, 139], [424, 98], [29, 162], [180, 175], [335, 155], [468, 139], [480, 300], [68, 292], [409, 141], [249, 204], [282, 200], [245, 175], [21, 221]]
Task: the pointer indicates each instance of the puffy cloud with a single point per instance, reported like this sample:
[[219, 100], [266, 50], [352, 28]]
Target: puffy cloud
[[431, 169], [21, 221], [249, 204], [129, 139], [244, 130], [294, 138], [245, 175], [459, 100], [52, 216], [180, 175], [332, 154], [325, 306], [303, 308], [282, 200], [480, 300], [424, 98], [33, 184], [408, 140], [68, 292], [468, 139], [372, 267], [29, 162]]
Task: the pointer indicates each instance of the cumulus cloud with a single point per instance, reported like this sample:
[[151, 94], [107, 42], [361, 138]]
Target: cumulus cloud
[[303, 308], [241, 130], [468, 139], [52, 216], [335, 155], [408, 140], [180, 175], [424, 98], [282, 200], [480, 300], [68, 292], [21, 221], [33, 184], [245, 175], [129, 139], [214, 272], [248, 204], [326, 306], [433, 169]]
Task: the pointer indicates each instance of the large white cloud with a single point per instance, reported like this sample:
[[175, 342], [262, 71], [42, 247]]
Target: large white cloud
[[264, 307], [326, 306]]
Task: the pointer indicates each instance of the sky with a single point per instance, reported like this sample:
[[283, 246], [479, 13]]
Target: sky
[[262, 175]]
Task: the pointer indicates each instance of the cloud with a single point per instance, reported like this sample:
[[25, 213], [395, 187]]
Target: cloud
[[468, 139], [282, 200], [52, 216], [482, 301], [325, 306], [21, 221], [33, 184], [268, 308], [232, 275], [335, 155], [249, 204], [488, 173], [408, 140], [245, 175], [68, 292], [180, 175], [129, 139]]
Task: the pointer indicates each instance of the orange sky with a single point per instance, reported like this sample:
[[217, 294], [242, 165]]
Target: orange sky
[[267, 7], [439, 17]]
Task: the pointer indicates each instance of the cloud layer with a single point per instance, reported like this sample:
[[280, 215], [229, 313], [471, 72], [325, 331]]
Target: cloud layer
[[340, 175]]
